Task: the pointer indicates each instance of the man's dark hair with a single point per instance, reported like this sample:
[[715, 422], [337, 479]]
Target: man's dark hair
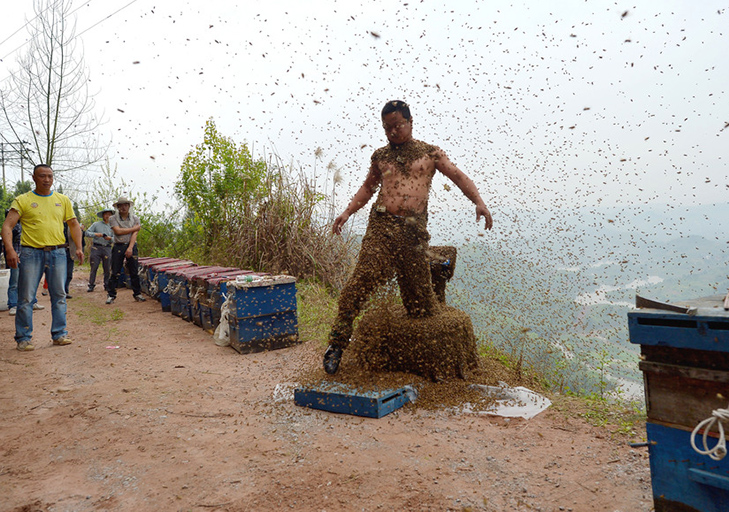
[[39, 166], [396, 106]]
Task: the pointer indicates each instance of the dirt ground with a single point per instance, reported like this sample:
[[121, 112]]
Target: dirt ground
[[145, 412]]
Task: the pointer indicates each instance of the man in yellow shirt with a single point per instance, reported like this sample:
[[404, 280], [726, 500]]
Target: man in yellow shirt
[[41, 213]]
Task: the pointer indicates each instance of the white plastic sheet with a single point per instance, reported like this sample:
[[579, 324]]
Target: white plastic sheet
[[517, 402]]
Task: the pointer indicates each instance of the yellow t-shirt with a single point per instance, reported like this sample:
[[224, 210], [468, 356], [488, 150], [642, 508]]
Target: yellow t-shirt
[[42, 218]]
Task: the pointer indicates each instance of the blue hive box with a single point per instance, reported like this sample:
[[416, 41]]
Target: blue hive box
[[216, 292], [145, 264], [179, 287], [341, 398], [685, 365], [264, 316], [203, 296], [187, 311], [163, 276]]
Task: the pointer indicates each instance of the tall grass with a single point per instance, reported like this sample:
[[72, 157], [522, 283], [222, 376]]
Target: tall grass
[[285, 228]]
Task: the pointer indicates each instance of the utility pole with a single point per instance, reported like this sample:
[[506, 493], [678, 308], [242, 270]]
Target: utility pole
[[12, 152]]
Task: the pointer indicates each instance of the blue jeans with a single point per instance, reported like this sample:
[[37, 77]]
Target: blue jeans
[[33, 264], [13, 288]]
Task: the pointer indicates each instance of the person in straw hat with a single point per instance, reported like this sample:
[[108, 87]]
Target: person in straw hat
[[125, 226], [101, 237]]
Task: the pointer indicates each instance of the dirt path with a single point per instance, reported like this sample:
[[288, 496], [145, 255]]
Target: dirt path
[[147, 413]]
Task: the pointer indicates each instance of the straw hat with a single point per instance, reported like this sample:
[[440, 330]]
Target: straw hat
[[123, 200]]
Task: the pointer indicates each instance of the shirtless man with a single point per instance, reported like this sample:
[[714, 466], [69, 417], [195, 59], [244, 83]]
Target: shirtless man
[[396, 240]]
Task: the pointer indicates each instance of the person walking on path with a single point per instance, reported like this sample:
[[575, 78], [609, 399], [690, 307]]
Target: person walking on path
[[125, 226], [101, 235], [396, 241], [42, 214]]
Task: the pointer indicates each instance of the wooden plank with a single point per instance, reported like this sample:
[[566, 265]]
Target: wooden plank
[[674, 397], [685, 356], [685, 372]]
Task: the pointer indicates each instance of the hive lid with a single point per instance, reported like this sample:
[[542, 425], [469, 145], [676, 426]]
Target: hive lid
[[258, 280]]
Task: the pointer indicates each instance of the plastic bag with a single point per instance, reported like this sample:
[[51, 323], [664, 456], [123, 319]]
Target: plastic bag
[[222, 332]]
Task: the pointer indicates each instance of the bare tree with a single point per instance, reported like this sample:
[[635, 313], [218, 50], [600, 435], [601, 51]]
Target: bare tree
[[46, 102]]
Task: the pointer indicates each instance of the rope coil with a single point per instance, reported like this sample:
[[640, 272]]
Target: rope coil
[[718, 452]]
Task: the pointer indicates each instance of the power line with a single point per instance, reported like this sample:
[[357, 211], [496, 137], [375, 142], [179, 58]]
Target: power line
[[85, 4], [50, 6], [109, 16]]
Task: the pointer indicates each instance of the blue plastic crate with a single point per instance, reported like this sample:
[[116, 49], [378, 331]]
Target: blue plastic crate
[[341, 398]]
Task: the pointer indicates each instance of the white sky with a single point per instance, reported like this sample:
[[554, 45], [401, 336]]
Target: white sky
[[556, 104]]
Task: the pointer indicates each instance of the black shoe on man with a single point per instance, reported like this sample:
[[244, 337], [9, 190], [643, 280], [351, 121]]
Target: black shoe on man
[[332, 357], [139, 298]]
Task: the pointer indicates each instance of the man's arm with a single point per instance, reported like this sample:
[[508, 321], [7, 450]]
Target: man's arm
[[11, 219], [125, 231], [75, 229], [361, 197], [468, 187], [91, 232], [132, 240]]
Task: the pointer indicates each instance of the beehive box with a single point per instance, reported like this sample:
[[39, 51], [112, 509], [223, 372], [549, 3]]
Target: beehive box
[[265, 316], [162, 276], [215, 295], [685, 365], [189, 307], [179, 280], [344, 399], [200, 296], [144, 270]]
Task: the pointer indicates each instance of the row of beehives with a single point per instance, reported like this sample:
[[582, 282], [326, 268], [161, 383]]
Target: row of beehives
[[259, 309]]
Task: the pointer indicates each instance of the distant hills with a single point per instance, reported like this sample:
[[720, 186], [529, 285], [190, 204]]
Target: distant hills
[[554, 287]]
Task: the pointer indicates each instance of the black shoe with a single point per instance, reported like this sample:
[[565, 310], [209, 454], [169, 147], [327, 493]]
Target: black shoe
[[90, 289], [332, 357], [69, 296], [139, 298]]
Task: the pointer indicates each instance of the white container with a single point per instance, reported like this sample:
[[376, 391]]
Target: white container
[[4, 284]]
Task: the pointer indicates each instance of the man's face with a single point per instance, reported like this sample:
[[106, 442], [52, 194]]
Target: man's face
[[397, 129], [123, 208], [106, 216], [43, 178]]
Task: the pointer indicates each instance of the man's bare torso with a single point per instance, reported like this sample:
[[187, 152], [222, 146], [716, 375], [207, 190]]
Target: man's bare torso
[[405, 174]]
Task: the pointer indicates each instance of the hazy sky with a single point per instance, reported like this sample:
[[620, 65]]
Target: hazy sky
[[556, 104]]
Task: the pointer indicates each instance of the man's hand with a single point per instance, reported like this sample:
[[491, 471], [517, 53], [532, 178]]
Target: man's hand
[[11, 258], [339, 222], [483, 211], [80, 256], [128, 253]]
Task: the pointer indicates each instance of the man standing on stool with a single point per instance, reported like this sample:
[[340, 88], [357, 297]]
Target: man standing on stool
[[125, 226], [41, 213], [101, 236]]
